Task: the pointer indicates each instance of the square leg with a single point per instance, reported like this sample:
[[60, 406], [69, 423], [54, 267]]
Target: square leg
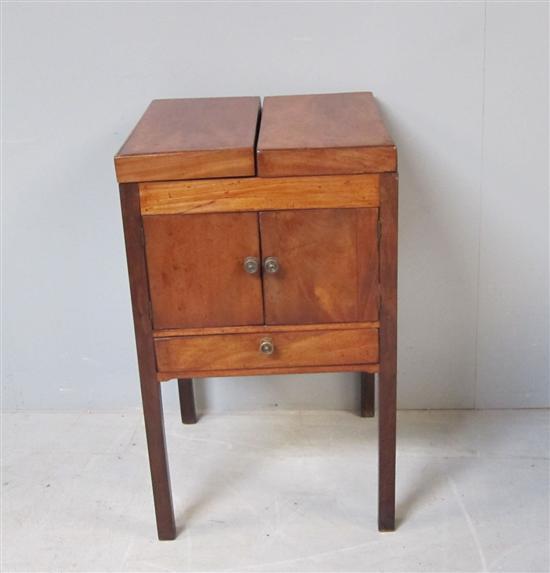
[[150, 388], [187, 401], [386, 451], [387, 378], [367, 395], [158, 461]]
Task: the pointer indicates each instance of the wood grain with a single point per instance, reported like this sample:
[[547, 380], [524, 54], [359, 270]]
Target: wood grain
[[188, 165], [191, 139], [196, 273], [323, 134], [165, 376], [388, 353], [324, 203], [328, 265], [259, 194], [292, 349], [263, 328], [150, 391], [325, 161]]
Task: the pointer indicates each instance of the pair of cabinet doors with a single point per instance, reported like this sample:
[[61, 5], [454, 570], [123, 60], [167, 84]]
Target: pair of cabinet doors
[[327, 267]]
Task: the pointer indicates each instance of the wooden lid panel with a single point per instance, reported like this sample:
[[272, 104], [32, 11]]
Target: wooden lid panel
[[323, 134], [326, 134], [191, 139]]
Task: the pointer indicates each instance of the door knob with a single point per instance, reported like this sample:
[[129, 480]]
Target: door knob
[[266, 346], [251, 265], [271, 265]]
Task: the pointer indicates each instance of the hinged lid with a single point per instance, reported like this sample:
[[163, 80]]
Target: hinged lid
[[191, 139], [323, 135]]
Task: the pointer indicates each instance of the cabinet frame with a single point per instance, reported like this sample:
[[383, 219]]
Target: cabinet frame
[[257, 194]]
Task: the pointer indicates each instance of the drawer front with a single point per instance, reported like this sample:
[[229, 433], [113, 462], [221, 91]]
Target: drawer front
[[289, 349]]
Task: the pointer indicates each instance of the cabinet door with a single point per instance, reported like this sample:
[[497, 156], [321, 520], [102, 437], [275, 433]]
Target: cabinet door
[[328, 265], [196, 273]]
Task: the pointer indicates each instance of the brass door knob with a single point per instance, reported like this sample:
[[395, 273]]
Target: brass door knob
[[251, 265], [271, 265], [266, 346]]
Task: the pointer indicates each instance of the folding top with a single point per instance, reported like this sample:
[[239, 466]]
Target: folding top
[[323, 135], [191, 139]]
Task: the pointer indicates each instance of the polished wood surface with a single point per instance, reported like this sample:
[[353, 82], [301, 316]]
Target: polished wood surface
[[187, 401], [189, 165], [328, 265], [388, 353], [191, 139], [264, 328], [323, 134], [196, 274], [242, 351], [324, 202], [277, 163], [150, 390], [259, 194], [165, 376]]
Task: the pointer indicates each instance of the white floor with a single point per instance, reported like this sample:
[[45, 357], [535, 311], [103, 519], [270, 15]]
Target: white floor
[[277, 491]]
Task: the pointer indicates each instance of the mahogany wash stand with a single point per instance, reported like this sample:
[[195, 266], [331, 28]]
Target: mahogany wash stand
[[262, 241]]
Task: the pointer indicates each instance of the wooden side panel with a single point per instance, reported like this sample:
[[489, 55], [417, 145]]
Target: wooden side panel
[[259, 194], [150, 390], [328, 265], [388, 353], [196, 272], [291, 349]]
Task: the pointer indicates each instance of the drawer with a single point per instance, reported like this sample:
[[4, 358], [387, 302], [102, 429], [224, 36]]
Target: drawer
[[289, 349]]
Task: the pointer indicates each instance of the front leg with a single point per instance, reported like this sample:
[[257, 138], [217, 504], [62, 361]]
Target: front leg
[[150, 388]]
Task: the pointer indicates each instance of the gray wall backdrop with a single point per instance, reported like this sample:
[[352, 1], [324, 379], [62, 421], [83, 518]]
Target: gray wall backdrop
[[464, 89]]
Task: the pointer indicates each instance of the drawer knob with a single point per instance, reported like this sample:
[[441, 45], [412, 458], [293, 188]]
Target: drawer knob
[[251, 265], [271, 265], [266, 346]]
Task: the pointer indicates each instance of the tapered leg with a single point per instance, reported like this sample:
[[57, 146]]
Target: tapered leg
[[367, 395], [187, 401], [150, 388], [388, 353]]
